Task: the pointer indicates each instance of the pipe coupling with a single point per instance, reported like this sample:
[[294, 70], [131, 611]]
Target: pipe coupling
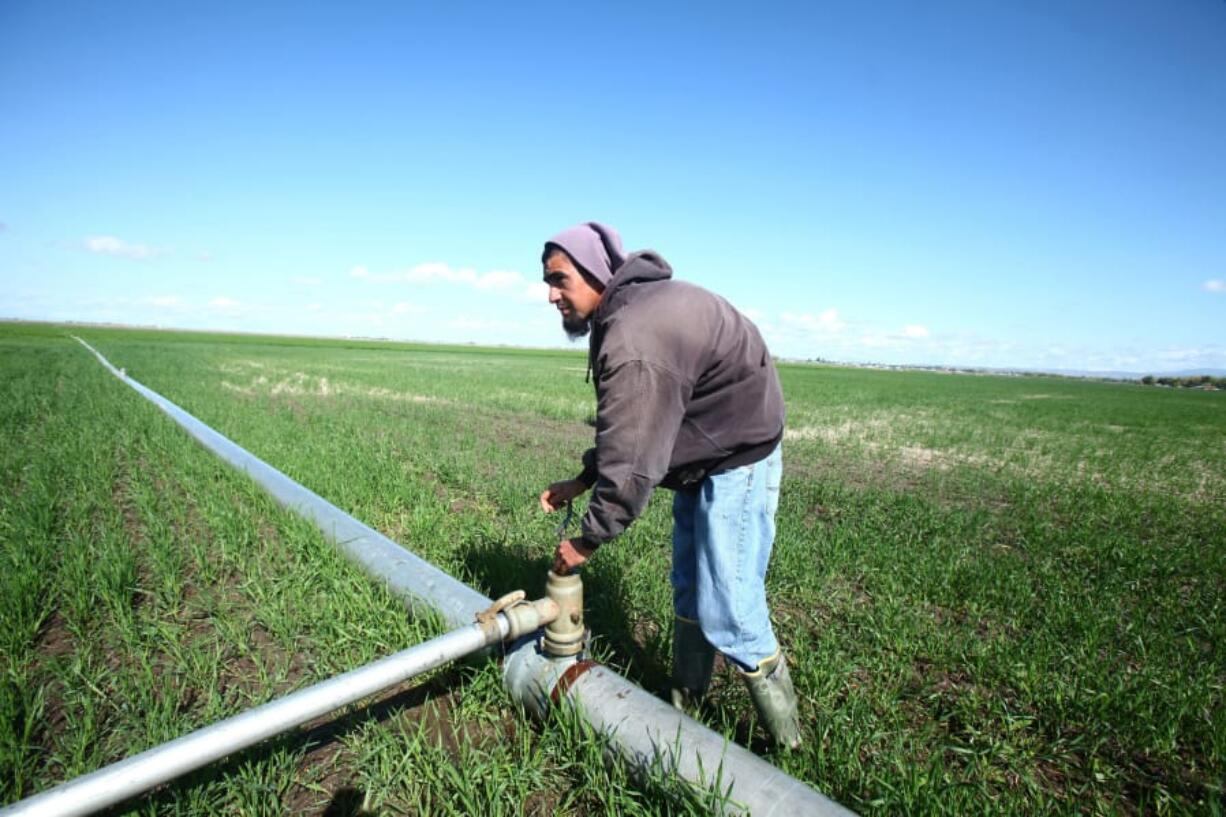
[[565, 636], [528, 616], [521, 616]]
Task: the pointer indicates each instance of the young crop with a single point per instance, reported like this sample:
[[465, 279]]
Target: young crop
[[1000, 595]]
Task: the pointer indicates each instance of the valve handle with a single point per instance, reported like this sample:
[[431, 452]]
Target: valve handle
[[565, 523]]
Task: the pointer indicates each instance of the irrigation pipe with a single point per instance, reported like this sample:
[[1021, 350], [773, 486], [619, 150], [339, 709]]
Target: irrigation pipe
[[407, 575], [120, 781], [641, 728]]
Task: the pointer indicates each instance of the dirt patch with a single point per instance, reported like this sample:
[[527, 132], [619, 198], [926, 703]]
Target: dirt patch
[[240, 366], [983, 627], [387, 394], [1053, 777], [304, 384], [325, 782], [846, 430], [789, 614], [918, 456], [529, 430], [819, 514], [644, 631], [244, 670], [543, 802], [121, 498], [854, 473], [54, 642], [953, 684], [54, 638], [133, 527], [255, 385], [54, 721], [453, 497]]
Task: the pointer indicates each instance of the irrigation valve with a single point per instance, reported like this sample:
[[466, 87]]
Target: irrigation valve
[[565, 636]]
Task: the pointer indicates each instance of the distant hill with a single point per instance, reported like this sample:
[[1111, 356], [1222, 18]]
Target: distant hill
[[1139, 375], [1023, 371], [1191, 373]]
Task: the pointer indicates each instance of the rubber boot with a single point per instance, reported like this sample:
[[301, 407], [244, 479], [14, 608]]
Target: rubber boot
[[770, 688], [693, 660]]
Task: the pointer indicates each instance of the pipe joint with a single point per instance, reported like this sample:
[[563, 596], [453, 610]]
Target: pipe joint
[[529, 616], [518, 616], [565, 636]]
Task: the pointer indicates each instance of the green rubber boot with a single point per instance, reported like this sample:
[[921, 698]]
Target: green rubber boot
[[770, 688], [693, 660]]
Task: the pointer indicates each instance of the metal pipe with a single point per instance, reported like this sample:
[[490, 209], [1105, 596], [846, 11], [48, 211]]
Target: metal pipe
[[651, 735], [128, 778], [649, 731], [639, 725], [405, 574]]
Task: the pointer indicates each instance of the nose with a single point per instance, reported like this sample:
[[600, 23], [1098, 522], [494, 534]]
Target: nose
[[555, 295]]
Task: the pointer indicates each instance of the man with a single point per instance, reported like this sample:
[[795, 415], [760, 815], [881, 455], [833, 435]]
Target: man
[[687, 398]]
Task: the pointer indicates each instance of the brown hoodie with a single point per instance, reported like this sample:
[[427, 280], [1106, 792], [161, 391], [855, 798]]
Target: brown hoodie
[[685, 388]]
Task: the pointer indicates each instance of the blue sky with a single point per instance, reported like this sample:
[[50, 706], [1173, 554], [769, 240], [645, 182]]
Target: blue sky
[[1037, 184]]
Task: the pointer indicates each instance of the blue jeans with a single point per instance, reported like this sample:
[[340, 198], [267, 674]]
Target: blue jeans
[[722, 535]]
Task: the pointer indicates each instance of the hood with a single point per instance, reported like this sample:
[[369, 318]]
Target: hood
[[639, 267]]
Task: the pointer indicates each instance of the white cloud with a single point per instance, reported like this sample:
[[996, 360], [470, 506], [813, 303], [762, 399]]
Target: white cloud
[[535, 292], [500, 280], [433, 272], [1215, 285], [827, 322], [165, 301], [110, 245], [903, 339], [308, 280], [314, 307], [828, 334], [1211, 355], [229, 306], [879, 341], [438, 271], [407, 308]]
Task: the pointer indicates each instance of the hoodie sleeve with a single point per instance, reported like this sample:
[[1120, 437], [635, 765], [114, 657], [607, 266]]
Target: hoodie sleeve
[[640, 408], [588, 475]]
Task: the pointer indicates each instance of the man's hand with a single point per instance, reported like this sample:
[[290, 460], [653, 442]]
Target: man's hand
[[570, 554], [558, 494]]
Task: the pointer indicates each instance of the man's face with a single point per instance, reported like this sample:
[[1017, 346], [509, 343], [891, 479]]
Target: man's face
[[571, 293]]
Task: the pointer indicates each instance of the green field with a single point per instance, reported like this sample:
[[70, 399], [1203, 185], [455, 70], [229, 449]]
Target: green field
[[1000, 595]]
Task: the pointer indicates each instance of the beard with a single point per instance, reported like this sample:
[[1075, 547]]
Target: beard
[[576, 327]]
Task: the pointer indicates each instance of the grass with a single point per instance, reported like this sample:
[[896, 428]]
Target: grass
[[1000, 595]]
